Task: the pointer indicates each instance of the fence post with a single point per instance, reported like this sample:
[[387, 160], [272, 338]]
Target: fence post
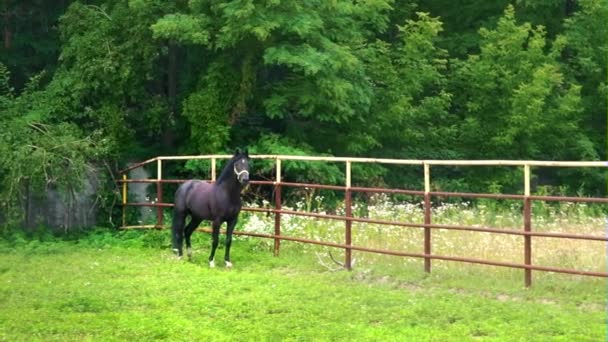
[[348, 213], [427, 217], [124, 200], [213, 169], [527, 226], [159, 193], [277, 205]]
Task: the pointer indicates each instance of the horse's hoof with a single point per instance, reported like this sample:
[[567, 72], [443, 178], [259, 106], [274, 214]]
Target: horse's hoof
[[228, 264], [211, 264]]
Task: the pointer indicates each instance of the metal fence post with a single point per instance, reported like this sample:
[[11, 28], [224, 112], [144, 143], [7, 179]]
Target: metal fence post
[[527, 226], [159, 193], [427, 217], [277, 205], [124, 200], [348, 213]]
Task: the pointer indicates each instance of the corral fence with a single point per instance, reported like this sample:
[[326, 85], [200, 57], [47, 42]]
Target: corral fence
[[526, 231]]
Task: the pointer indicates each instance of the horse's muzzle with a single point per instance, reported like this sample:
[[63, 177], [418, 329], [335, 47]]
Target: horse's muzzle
[[242, 176]]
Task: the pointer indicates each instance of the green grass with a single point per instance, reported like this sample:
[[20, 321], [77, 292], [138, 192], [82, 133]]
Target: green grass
[[127, 286]]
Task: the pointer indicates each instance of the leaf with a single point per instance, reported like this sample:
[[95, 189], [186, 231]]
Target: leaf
[[183, 28]]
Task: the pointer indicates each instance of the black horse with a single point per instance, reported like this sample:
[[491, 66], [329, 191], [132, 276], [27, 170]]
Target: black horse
[[219, 202]]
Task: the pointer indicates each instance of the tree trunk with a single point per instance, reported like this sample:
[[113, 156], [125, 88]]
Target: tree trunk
[[172, 76], [168, 136], [7, 31], [569, 8]]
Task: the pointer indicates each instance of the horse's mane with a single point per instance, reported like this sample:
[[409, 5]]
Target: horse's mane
[[228, 169]]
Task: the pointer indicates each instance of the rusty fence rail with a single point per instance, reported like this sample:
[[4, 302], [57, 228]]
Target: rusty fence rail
[[526, 232]]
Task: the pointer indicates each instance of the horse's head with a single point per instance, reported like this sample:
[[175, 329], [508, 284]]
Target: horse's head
[[241, 166]]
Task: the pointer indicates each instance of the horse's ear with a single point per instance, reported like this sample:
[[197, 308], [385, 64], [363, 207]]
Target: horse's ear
[[246, 152], [237, 151]]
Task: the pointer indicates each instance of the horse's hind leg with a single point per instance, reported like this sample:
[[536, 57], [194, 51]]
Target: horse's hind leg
[[194, 222], [177, 232], [215, 235]]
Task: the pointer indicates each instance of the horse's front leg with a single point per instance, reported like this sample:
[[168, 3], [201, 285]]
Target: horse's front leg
[[231, 224], [215, 235]]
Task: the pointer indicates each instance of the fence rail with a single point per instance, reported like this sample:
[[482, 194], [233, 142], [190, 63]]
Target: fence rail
[[526, 231]]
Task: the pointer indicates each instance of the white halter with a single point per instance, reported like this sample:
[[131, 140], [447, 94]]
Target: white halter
[[239, 173]]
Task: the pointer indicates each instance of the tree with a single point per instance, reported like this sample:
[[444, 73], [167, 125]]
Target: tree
[[515, 101], [113, 72], [585, 56], [293, 61], [409, 116], [462, 21], [29, 37]]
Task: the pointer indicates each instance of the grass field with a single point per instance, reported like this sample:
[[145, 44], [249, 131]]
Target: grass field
[[127, 286]]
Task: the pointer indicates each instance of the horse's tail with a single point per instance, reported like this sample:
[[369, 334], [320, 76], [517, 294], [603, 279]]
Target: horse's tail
[[179, 216]]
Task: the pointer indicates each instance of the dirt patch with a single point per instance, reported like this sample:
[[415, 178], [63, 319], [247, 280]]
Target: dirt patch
[[592, 307]]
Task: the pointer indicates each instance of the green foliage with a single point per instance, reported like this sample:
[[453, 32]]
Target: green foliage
[[586, 59], [119, 80], [299, 64], [462, 20], [293, 170], [110, 74], [181, 28], [410, 110], [5, 88], [37, 154], [209, 125], [30, 36], [538, 112]]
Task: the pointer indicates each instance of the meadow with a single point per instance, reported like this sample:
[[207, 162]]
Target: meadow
[[126, 285], [566, 217]]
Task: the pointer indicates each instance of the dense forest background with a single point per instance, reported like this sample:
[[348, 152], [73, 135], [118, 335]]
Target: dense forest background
[[96, 84]]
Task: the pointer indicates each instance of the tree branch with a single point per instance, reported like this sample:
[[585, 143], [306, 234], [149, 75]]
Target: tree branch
[[100, 10]]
